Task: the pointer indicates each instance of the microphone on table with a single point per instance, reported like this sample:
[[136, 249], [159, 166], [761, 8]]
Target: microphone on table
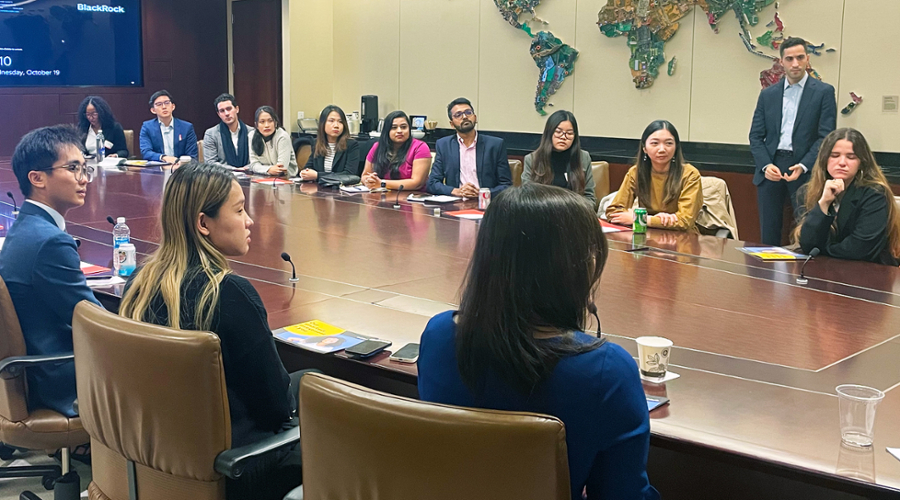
[[110, 220], [801, 280], [593, 310], [397, 201], [77, 242], [287, 258], [15, 212]]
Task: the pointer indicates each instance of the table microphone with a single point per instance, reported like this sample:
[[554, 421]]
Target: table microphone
[[801, 280], [397, 201], [110, 220], [15, 212], [287, 258], [593, 310]]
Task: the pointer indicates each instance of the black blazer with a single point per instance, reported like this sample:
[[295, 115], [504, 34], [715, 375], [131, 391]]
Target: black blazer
[[816, 118], [346, 161], [861, 230], [116, 136], [491, 165]]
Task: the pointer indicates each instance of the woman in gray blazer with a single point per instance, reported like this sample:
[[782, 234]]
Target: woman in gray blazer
[[271, 151], [559, 160]]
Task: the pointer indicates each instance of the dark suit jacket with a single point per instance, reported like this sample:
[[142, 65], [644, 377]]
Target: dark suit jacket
[[861, 231], [116, 136], [346, 161], [816, 118], [491, 164], [152, 147], [40, 266]]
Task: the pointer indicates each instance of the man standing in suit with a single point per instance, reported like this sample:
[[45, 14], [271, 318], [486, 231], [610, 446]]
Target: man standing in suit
[[227, 143], [467, 161], [166, 138], [791, 119], [39, 261]]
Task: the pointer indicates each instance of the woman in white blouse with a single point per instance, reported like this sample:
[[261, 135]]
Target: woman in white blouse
[[271, 151]]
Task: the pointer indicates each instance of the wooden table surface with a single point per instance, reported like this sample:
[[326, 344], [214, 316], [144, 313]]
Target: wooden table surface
[[759, 356]]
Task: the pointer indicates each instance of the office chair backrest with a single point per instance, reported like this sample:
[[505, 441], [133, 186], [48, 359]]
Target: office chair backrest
[[154, 397], [13, 399], [361, 443], [600, 171], [129, 142], [200, 151], [515, 169]]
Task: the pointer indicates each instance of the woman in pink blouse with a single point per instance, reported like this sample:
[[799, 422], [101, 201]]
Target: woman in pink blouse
[[397, 159]]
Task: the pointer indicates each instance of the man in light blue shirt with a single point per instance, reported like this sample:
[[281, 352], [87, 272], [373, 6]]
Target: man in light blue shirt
[[791, 119], [166, 138]]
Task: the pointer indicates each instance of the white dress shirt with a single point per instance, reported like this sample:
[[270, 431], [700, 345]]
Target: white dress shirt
[[789, 106], [168, 135]]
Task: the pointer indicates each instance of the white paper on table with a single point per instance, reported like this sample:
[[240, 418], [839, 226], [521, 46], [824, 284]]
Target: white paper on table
[[359, 188], [110, 163], [470, 216], [112, 280], [895, 452]]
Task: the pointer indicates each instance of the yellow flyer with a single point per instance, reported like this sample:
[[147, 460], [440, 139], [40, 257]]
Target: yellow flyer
[[314, 328]]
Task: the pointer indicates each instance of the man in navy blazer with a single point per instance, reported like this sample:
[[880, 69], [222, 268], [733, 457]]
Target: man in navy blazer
[[791, 119], [166, 138], [467, 161], [39, 261]]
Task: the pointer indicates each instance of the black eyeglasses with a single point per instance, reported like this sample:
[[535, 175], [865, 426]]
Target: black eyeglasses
[[460, 114], [79, 169]]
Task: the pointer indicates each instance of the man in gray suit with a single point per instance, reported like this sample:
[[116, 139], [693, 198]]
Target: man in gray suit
[[791, 119], [227, 144]]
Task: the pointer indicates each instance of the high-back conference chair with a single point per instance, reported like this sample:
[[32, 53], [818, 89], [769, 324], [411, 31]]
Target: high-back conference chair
[[129, 142], [361, 443], [39, 429], [154, 402]]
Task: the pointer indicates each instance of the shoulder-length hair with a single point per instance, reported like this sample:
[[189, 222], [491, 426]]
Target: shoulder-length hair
[[672, 189], [259, 142], [543, 170], [104, 113], [869, 175], [183, 251], [322, 138], [386, 159], [536, 264]]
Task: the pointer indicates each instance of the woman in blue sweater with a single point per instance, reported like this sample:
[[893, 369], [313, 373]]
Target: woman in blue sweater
[[517, 342]]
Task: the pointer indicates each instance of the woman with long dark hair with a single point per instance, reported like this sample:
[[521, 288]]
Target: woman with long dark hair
[[271, 149], [187, 283], [559, 160], [849, 209], [335, 151], [397, 159], [518, 342], [94, 115], [661, 182]]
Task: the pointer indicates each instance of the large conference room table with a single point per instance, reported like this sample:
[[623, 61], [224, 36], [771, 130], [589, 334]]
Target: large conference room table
[[754, 412]]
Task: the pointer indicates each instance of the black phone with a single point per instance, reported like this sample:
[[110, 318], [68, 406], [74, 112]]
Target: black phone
[[654, 402], [368, 348]]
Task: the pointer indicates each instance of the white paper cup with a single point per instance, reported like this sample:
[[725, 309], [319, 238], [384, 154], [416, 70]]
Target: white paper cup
[[653, 356]]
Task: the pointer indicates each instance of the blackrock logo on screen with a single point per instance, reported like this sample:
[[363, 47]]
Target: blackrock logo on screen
[[101, 8]]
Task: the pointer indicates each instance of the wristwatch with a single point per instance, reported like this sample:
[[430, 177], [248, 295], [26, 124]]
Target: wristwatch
[[383, 184]]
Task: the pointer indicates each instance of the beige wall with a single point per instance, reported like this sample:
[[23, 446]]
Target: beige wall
[[417, 55]]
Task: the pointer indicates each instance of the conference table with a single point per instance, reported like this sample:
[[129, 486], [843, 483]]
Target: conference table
[[754, 412]]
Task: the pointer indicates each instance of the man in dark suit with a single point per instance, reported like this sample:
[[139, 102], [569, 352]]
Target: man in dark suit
[[166, 138], [791, 119], [467, 161], [39, 261]]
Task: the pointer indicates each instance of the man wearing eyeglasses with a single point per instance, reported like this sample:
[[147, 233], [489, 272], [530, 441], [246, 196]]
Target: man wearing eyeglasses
[[467, 161], [39, 261], [166, 138]]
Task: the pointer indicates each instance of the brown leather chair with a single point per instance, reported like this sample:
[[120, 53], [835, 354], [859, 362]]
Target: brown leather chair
[[38, 429], [516, 168], [154, 402], [200, 151], [361, 443], [302, 152], [600, 171], [129, 142]]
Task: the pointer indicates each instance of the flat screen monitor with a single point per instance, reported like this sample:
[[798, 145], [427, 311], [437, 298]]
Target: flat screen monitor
[[70, 43]]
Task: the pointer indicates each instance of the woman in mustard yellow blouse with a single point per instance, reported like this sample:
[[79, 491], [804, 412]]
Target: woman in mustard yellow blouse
[[661, 182]]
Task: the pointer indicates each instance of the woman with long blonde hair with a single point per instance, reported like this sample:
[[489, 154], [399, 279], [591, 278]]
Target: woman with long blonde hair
[[187, 283], [850, 212]]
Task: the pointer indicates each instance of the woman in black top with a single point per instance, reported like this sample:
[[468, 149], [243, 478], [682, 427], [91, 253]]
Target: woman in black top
[[187, 283], [559, 160], [335, 151], [95, 115], [850, 212]]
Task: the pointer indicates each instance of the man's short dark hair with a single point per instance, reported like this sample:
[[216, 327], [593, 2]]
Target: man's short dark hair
[[159, 93], [39, 150], [457, 102], [224, 98], [793, 42]]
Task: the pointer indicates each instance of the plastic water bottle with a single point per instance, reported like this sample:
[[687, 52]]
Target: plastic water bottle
[[101, 146], [121, 234]]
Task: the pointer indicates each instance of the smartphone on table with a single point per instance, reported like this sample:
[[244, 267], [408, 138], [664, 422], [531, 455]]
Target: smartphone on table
[[368, 348], [407, 354]]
